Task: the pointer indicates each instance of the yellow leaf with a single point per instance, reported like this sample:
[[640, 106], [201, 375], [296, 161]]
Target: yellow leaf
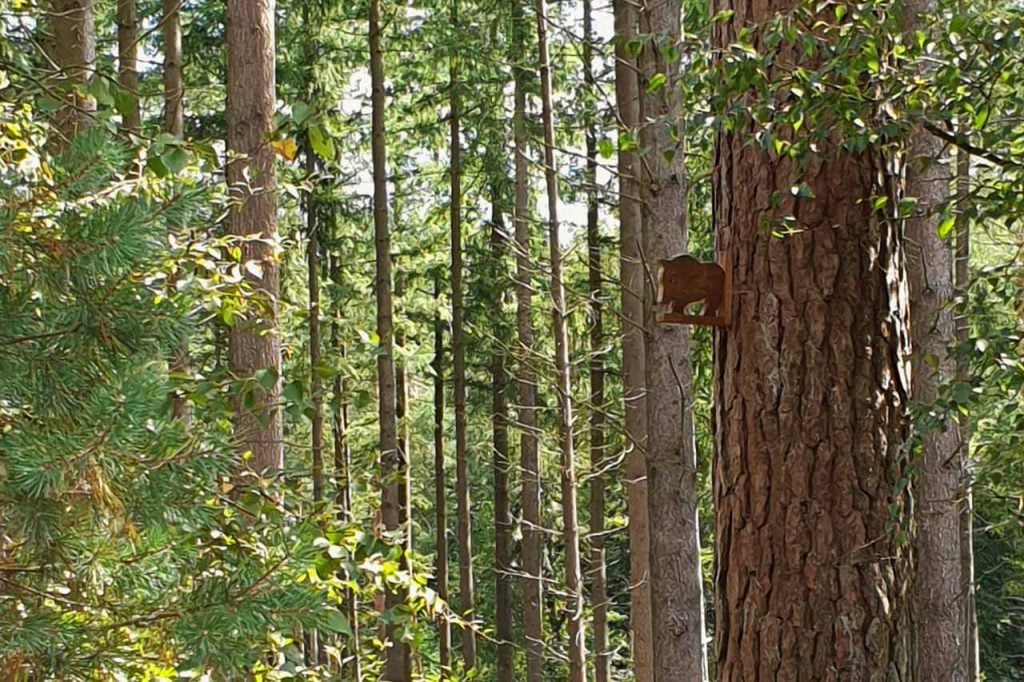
[[286, 148]]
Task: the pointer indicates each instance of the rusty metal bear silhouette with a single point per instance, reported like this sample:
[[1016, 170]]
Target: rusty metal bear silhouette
[[684, 280]]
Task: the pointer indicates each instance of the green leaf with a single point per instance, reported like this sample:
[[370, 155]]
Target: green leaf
[[100, 90], [176, 160], [657, 82], [157, 165], [124, 101], [803, 190], [267, 377], [300, 112], [293, 391], [981, 118], [946, 227], [606, 148], [337, 622], [321, 143]]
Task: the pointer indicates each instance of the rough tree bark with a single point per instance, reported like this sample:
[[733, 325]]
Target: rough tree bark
[[526, 376], [72, 46], [254, 344], [467, 591], [631, 282], [597, 571], [938, 598], [811, 394], [390, 457], [127, 64], [174, 124], [440, 482], [677, 594], [570, 523], [505, 622]]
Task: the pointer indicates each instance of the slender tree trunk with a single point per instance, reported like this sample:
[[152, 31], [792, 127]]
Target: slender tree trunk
[[811, 395], [440, 482], [467, 596], [342, 467], [938, 598], [526, 376], [402, 415], [73, 50], [631, 278], [598, 570], [390, 456], [315, 382], [503, 561], [570, 530], [174, 88], [254, 344], [404, 443], [676, 582], [127, 63], [961, 284], [174, 123]]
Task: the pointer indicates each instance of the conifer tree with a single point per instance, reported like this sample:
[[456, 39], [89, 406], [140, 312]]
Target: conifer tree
[[127, 64], [390, 456], [467, 589], [631, 282], [676, 578], [526, 376], [597, 572], [254, 345], [570, 522]]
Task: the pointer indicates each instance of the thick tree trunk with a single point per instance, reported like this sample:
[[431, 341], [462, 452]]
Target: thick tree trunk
[[962, 281], [73, 50], [631, 278], [570, 523], [342, 466], [440, 482], [503, 605], [938, 598], [676, 583], [254, 344], [467, 592], [811, 394], [127, 63], [598, 572], [526, 376], [174, 123], [390, 456]]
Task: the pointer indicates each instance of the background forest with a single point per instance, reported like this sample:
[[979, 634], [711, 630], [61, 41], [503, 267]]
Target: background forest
[[329, 343]]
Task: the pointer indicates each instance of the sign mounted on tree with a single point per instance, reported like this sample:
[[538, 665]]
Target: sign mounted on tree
[[684, 280]]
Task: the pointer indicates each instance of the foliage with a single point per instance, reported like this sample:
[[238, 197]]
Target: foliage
[[132, 548]]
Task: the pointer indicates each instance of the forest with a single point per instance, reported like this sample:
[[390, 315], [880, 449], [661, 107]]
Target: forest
[[586, 340]]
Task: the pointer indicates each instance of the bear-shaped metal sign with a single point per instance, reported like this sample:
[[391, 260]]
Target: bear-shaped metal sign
[[683, 281]]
